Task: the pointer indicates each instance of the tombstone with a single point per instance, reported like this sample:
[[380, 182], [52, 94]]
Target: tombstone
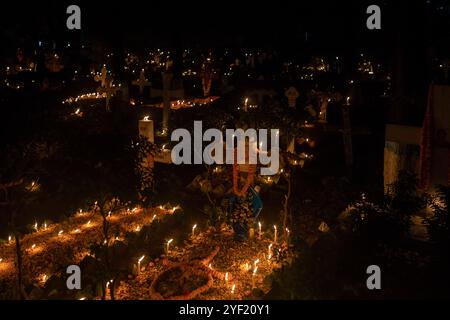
[[292, 95], [167, 93], [147, 129], [401, 152], [142, 82]]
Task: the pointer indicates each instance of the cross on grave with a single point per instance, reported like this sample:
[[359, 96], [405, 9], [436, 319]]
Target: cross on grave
[[292, 95], [108, 90], [103, 77], [142, 82], [167, 93]]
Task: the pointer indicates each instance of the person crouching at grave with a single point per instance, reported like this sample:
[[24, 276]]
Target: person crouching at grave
[[245, 203]]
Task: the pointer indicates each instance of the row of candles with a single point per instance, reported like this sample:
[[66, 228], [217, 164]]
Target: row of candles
[[88, 224]]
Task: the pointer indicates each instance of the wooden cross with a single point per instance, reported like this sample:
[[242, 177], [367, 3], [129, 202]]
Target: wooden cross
[[141, 82], [103, 77], [167, 93], [108, 90]]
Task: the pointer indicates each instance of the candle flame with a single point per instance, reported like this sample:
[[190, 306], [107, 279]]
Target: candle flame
[[254, 270], [233, 288]]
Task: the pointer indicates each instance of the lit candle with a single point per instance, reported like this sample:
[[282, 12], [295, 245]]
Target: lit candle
[[226, 276], [253, 276], [139, 264], [45, 225], [36, 226], [168, 245], [233, 288], [33, 246], [88, 223], [154, 217], [275, 234], [193, 229], [9, 238], [245, 104], [259, 227], [269, 254]]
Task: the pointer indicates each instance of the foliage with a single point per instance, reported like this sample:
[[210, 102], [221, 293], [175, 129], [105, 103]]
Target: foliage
[[391, 213], [403, 200], [439, 223]]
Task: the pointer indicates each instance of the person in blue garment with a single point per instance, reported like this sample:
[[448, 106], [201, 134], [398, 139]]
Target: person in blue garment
[[245, 202]]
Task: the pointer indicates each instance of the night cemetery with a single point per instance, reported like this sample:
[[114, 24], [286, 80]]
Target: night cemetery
[[172, 154]]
